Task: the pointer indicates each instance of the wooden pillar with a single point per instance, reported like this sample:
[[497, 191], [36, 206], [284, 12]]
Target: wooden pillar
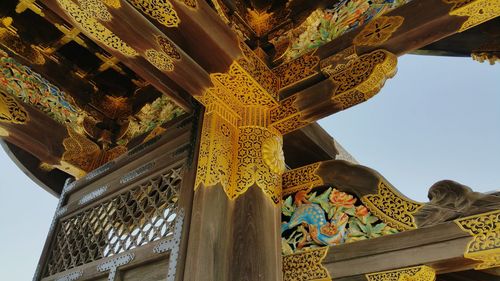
[[235, 227]]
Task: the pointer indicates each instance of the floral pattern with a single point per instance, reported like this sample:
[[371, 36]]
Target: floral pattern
[[21, 82], [153, 115], [332, 217], [324, 25]]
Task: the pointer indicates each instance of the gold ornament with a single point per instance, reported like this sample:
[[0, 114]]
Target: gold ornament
[[112, 3], [392, 207], [80, 151], [96, 30], [96, 9], [477, 11], [378, 31], [160, 60], [272, 153], [287, 117], [168, 48], [162, 11], [303, 178], [236, 151], [485, 245], [297, 70], [363, 77], [306, 266], [11, 111], [417, 273]]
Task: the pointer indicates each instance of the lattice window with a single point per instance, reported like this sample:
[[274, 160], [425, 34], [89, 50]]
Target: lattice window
[[140, 215]]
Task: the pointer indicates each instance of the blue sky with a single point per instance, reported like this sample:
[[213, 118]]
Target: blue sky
[[439, 118]]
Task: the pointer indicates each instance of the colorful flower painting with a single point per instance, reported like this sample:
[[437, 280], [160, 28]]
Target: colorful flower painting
[[332, 217], [324, 25], [21, 82]]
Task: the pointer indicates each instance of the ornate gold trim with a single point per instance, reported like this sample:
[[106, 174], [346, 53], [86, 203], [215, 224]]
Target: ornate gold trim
[[392, 207], [485, 245], [233, 150], [162, 11], [297, 70], [306, 266], [96, 30], [160, 60], [287, 116], [477, 11], [303, 178], [378, 31], [361, 78], [11, 111], [95, 8], [417, 273]]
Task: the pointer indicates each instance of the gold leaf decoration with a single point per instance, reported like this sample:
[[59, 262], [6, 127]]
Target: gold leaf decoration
[[378, 31], [80, 151], [485, 245], [306, 266], [477, 11], [96, 9], [96, 30], [392, 207], [272, 153], [417, 273], [160, 10], [11, 111], [160, 60], [362, 78], [301, 179]]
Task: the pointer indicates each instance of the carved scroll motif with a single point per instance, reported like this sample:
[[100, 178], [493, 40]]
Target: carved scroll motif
[[393, 208], [477, 11], [11, 111], [306, 266], [417, 273], [485, 245]]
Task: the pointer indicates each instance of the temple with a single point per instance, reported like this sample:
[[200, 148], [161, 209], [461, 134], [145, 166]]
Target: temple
[[180, 137]]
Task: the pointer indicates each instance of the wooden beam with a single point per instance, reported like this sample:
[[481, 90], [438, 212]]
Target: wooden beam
[[38, 134], [442, 247], [186, 69], [308, 145], [407, 28]]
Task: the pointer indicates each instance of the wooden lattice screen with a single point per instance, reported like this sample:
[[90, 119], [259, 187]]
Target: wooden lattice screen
[[127, 217]]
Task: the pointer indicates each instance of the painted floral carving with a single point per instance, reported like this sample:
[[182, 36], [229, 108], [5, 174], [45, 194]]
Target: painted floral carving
[[324, 25], [332, 217], [21, 82], [153, 115]]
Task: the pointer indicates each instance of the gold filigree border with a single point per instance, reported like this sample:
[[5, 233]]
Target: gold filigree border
[[392, 207], [477, 11], [416, 273], [306, 266], [485, 244]]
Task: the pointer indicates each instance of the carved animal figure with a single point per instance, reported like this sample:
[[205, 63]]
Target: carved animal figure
[[321, 231]]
